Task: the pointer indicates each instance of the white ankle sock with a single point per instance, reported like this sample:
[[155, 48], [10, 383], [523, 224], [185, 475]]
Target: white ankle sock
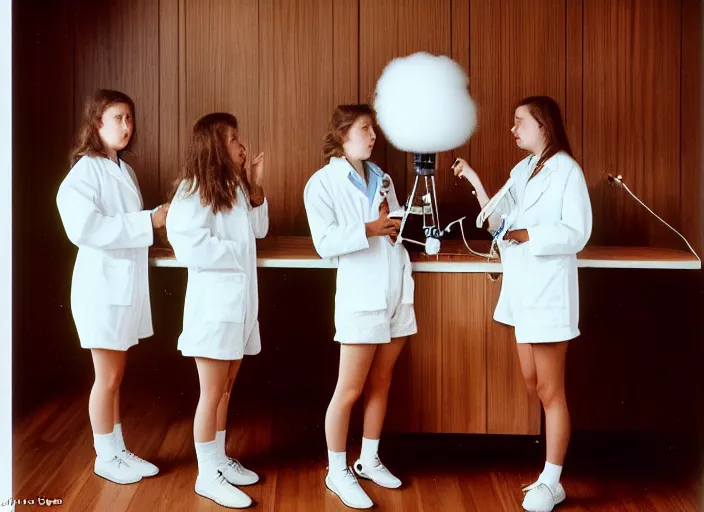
[[370, 448], [551, 474], [119, 441], [105, 445], [220, 440], [337, 461], [208, 457]]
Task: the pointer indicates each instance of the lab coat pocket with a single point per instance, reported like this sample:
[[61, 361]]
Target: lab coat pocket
[[544, 282], [224, 299], [116, 283]]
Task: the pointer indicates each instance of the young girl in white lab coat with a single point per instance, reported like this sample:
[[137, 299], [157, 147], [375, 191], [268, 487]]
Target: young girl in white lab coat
[[348, 203], [102, 212], [216, 213], [542, 218]]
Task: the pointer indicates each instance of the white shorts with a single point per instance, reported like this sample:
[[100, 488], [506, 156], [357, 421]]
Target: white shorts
[[376, 327]]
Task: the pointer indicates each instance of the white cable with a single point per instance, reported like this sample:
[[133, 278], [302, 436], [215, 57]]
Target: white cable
[[619, 180], [490, 256]]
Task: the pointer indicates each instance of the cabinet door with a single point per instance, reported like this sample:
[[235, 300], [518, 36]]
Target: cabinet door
[[510, 410], [439, 383]]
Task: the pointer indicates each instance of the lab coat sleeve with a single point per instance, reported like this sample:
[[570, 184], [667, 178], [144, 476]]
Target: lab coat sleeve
[[331, 236], [192, 240], [571, 233], [259, 217], [505, 206], [87, 225]]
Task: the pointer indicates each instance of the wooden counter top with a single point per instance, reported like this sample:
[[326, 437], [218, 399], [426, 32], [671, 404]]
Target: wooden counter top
[[298, 252]]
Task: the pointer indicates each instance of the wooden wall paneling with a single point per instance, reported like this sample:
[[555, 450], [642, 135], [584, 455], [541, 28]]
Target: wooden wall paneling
[[345, 46], [462, 326], [169, 112], [117, 47], [455, 195], [692, 177], [416, 396], [295, 102], [395, 29], [378, 44], [42, 137], [573, 66], [222, 64], [631, 125], [517, 49], [510, 410]]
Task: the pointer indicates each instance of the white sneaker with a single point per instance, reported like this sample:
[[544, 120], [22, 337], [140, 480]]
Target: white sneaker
[[237, 474], [542, 497], [377, 473], [140, 465], [116, 470], [221, 491], [347, 488]]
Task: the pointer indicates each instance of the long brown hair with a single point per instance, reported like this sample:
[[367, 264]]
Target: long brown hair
[[343, 118], [209, 169], [546, 112], [89, 141]]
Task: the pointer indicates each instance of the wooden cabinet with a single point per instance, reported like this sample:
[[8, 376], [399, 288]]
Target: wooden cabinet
[[460, 373]]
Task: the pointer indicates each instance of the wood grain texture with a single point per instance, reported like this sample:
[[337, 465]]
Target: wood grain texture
[[222, 64], [692, 181], [300, 247], [517, 49], [393, 29], [416, 399], [573, 113], [296, 101], [345, 47], [117, 47], [509, 409], [42, 137], [464, 362], [169, 89], [631, 123], [286, 448]]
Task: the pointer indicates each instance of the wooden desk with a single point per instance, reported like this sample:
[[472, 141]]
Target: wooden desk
[[298, 252], [460, 373]]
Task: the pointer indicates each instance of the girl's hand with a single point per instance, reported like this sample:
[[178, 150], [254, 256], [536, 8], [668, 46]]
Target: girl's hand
[[462, 169], [159, 216], [518, 236], [255, 171]]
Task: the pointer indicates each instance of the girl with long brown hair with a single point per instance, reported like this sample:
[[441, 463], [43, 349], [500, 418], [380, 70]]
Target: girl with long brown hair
[[541, 219], [102, 212], [217, 211], [348, 203]]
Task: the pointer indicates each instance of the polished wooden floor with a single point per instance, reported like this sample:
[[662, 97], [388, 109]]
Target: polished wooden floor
[[53, 458]]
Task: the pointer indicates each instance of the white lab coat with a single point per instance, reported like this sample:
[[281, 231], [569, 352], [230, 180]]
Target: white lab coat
[[220, 317], [101, 209], [337, 212], [540, 293]]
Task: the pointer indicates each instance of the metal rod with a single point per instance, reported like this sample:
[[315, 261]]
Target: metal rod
[[435, 196]]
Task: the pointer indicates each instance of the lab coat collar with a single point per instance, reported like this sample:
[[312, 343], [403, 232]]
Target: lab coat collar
[[340, 162], [534, 188], [121, 172]]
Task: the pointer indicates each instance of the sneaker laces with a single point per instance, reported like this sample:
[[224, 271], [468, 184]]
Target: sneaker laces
[[537, 485], [348, 477], [220, 479], [131, 456], [377, 465], [234, 463], [119, 461]]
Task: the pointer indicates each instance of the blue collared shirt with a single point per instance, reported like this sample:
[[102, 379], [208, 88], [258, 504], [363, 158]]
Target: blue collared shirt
[[370, 187]]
